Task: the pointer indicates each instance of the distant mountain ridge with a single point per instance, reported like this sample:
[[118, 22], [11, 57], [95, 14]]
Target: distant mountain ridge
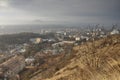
[[10, 29]]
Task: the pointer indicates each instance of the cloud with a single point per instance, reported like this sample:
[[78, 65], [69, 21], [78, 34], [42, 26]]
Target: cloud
[[64, 11], [3, 4]]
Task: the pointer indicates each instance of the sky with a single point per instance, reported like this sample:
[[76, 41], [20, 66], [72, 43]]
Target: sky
[[65, 12]]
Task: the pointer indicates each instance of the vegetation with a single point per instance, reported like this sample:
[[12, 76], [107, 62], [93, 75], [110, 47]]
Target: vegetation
[[20, 38], [96, 60], [48, 65]]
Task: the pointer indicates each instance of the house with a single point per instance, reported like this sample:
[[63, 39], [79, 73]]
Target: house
[[36, 40], [12, 67], [62, 43], [51, 40], [29, 61], [114, 31], [84, 38], [77, 38]]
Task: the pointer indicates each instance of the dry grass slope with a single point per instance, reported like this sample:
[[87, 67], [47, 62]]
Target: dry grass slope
[[98, 60]]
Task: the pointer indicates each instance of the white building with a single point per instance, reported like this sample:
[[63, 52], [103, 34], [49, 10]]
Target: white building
[[29, 61], [114, 31], [77, 38]]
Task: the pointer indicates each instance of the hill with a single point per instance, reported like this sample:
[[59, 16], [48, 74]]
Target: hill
[[95, 60], [20, 38]]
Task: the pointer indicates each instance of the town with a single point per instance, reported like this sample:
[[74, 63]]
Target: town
[[20, 53]]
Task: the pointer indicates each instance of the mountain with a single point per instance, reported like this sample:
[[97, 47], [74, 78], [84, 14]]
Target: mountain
[[93, 60], [11, 29]]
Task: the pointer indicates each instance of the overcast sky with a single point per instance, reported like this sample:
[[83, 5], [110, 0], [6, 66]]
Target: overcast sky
[[59, 12]]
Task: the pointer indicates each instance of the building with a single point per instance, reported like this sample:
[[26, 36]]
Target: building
[[12, 67], [36, 40], [77, 38], [114, 31], [30, 61]]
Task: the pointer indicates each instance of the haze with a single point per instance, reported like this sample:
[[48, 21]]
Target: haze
[[70, 12]]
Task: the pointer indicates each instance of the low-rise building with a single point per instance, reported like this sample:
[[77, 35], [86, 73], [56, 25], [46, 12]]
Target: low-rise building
[[36, 40], [77, 38], [12, 67], [114, 31], [30, 61]]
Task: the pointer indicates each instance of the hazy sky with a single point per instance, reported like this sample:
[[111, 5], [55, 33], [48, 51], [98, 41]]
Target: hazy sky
[[59, 11]]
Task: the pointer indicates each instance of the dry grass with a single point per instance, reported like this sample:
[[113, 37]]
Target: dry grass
[[98, 60]]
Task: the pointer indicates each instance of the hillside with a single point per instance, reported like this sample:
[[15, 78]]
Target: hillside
[[95, 60], [19, 38]]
